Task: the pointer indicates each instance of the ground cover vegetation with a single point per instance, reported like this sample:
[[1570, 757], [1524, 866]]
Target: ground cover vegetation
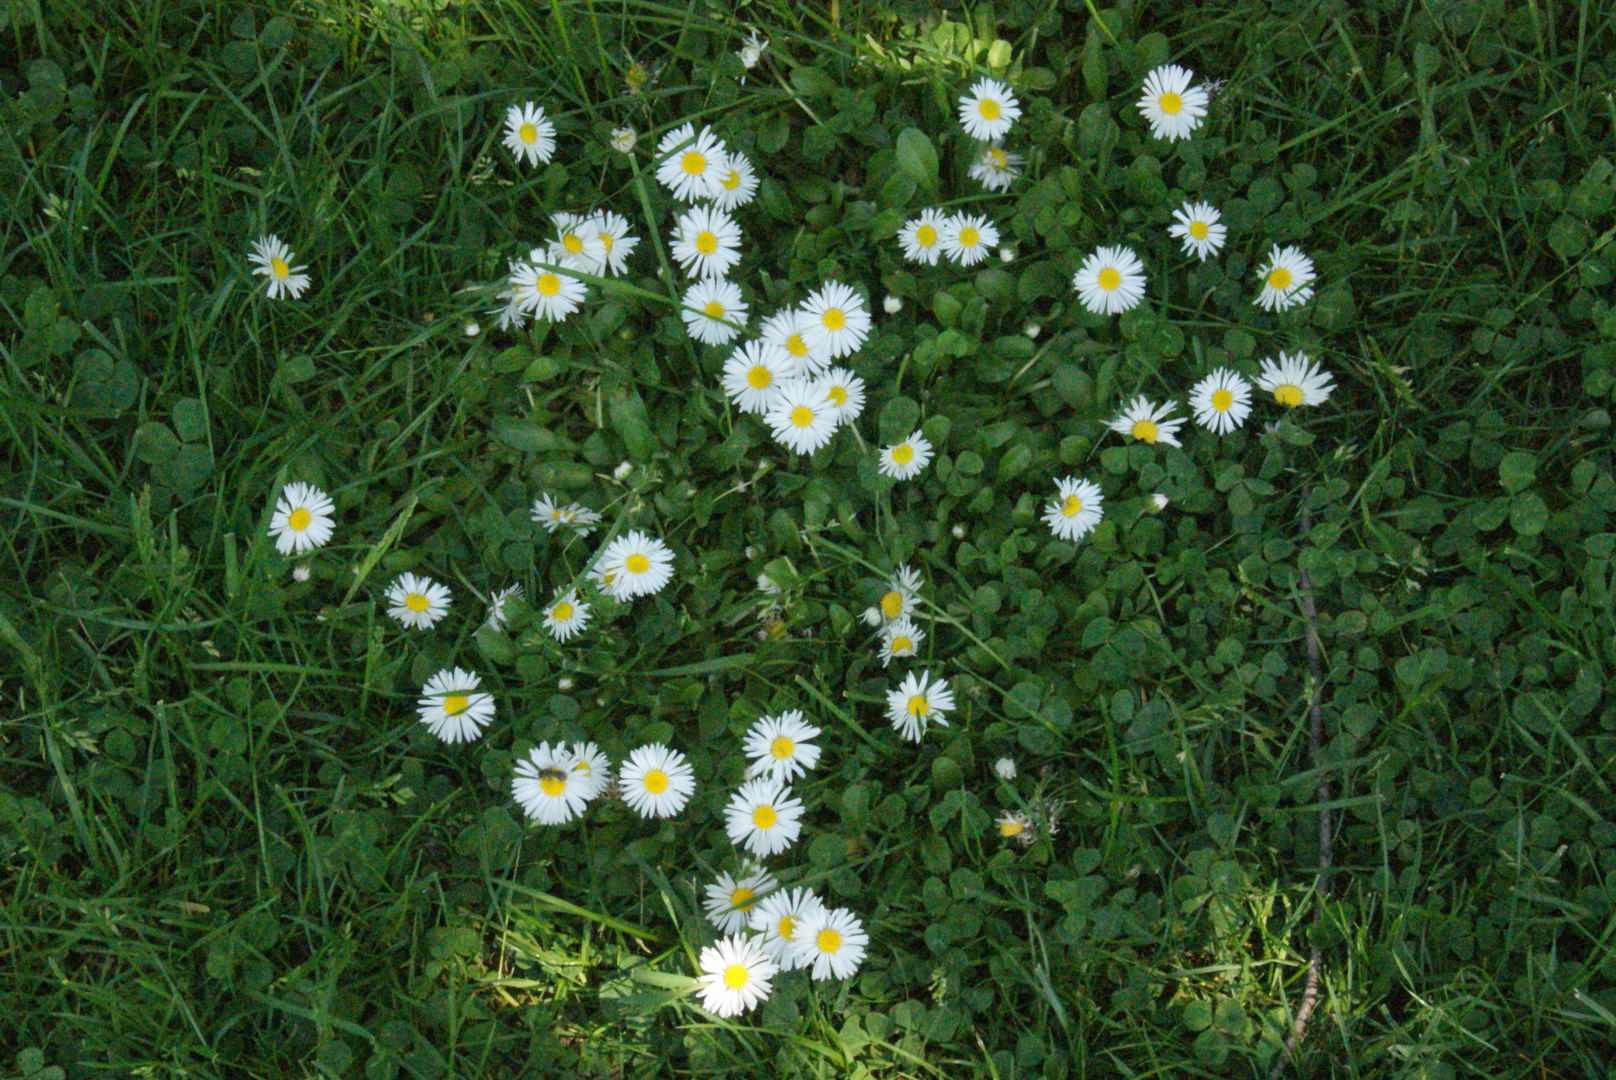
[[1164, 630]]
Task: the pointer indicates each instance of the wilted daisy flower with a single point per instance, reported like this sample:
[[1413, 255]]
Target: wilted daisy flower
[[302, 519], [1173, 107], [899, 600], [996, 168], [751, 50], [917, 703], [713, 311], [512, 315], [1014, 826], [778, 745], [753, 374], [778, 917], [904, 460], [452, 709], [802, 417], [1295, 380], [691, 171], [764, 817], [768, 586], [642, 564], [591, 770], [735, 976], [612, 228], [706, 242], [623, 140], [831, 944], [553, 515], [845, 391], [1148, 422], [545, 787], [922, 237], [788, 330], [1110, 281], [838, 321], [731, 902], [968, 238], [737, 183], [416, 601], [545, 294], [1221, 401], [529, 133], [1287, 279], [655, 781], [273, 259], [1005, 768], [1074, 515], [989, 110], [566, 615], [496, 605], [899, 638], [1199, 229]]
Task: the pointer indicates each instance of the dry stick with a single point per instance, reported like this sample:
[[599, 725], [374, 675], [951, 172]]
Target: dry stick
[[1315, 748]]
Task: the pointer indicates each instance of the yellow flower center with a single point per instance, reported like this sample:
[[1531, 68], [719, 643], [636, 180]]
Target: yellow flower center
[[693, 164], [969, 237], [1279, 278], [1110, 279], [279, 268], [527, 133], [561, 612], [1011, 827], [606, 241], [802, 416], [1145, 430], [713, 310], [552, 785], [759, 378], [764, 817], [834, 319], [796, 346], [1170, 103], [572, 243], [416, 602], [299, 520], [787, 926], [902, 645], [549, 284], [837, 396], [1288, 395], [1198, 230], [1221, 400], [656, 781], [919, 706], [925, 236], [782, 748], [636, 563], [736, 976], [903, 453], [1072, 505], [732, 181], [741, 899], [455, 704], [989, 109], [997, 159], [892, 604], [828, 940], [706, 243]]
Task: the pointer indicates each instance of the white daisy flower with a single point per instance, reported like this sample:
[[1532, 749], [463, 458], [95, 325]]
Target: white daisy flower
[[623, 140], [922, 237], [552, 515], [996, 169], [845, 391], [967, 238], [736, 976], [1287, 279], [1110, 281], [706, 242], [690, 163], [899, 638], [1148, 422], [612, 228], [545, 294], [1221, 401], [788, 330], [641, 565], [898, 601], [838, 321], [273, 259], [578, 245], [655, 781], [545, 787], [496, 605], [1005, 768], [1013, 826], [714, 311], [831, 944], [753, 374], [529, 133], [591, 770], [989, 110], [1173, 107], [566, 615], [1079, 508], [764, 817], [731, 901], [917, 703], [737, 182], [1295, 380], [417, 601], [302, 519], [778, 917], [452, 709], [779, 746], [1198, 228], [802, 417], [905, 460]]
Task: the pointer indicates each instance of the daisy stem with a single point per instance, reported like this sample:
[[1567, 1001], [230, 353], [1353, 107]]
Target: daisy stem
[[1106, 30], [661, 252]]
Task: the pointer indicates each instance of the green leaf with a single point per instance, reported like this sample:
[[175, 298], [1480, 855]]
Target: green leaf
[[190, 419], [916, 157], [1096, 131], [1569, 236], [897, 420], [1517, 471], [631, 420], [154, 443], [529, 436], [811, 82], [1528, 514]]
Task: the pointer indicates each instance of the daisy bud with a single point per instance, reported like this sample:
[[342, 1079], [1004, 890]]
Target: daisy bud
[[622, 470], [565, 683], [1032, 330], [872, 617], [1005, 768], [473, 328], [751, 551], [1007, 254], [300, 573], [893, 304], [1159, 501], [958, 531], [623, 140]]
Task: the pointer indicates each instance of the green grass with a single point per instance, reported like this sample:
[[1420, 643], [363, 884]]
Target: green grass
[[227, 850]]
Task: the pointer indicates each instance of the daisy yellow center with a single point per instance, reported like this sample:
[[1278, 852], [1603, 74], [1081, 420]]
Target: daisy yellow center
[[549, 284], [837, 396], [759, 378], [455, 704], [732, 181], [903, 454], [1145, 430], [736, 976], [892, 604], [552, 785], [706, 243], [997, 159], [787, 926], [919, 706], [1279, 278], [1072, 505], [782, 748], [693, 164], [299, 520], [764, 817], [561, 612], [416, 602], [925, 236], [1221, 400], [527, 133], [829, 941], [1288, 395], [279, 268], [1171, 103], [1198, 230], [796, 346], [741, 899], [902, 645], [636, 563], [989, 109], [656, 781], [802, 416], [572, 243], [713, 310], [1011, 827], [1109, 279], [834, 319], [969, 237]]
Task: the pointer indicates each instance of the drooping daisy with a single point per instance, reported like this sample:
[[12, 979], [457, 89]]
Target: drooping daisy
[[302, 519], [612, 228], [751, 50], [706, 242], [788, 330], [917, 703], [831, 944], [513, 316], [989, 110], [1287, 279], [1079, 508], [591, 770], [529, 133], [1148, 422], [1221, 401], [753, 375], [552, 515], [845, 391], [737, 182], [690, 163], [566, 615], [779, 746], [968, 238], [899, 638], [1295, 380], [545, 294], [731, 901], [764, 817], [1173, 107], [905, 460], [778, 916], [623, 140], [713, 311], [996, 168], [1110, 281], [899, 600], [801, 417], [417, 601], [642, 564], [273, 259], [922, 237], [1199, 229], [1013, 825], [452, 709], [496, 605], [838, 321], [577, 245], [655, 781], [736, 976], [545, 788]]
